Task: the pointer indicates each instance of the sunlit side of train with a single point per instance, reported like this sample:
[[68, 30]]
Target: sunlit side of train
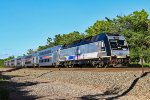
[[101, 50]]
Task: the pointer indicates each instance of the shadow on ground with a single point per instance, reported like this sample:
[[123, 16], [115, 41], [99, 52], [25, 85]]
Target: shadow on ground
[[114, 92], [13, 89], [10, 70]]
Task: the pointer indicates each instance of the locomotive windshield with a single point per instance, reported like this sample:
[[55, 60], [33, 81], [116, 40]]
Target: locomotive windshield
[[118, 44]]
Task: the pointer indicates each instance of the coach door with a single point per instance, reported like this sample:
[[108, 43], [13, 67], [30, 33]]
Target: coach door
[[56, 56], [34, 60], [99, 49]]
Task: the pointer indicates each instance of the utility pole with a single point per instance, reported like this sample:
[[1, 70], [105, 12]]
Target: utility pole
[[142, 60], [142, 64]]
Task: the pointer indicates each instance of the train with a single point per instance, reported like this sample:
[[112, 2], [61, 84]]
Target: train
[[101, 50]]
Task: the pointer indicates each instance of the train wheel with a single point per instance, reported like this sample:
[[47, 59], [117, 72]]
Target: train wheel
[[72, 65], [106, 65], [98, 65], [65, 64], [55, 65], [102, 64], [118, 65], [69, 64], [93, 64]]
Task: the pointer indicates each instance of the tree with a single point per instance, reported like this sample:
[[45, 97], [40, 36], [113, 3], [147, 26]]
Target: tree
[[68, 38], [9, 58], [6, 59], [1, 62], [135, 27], [30, 51], [49, 42]]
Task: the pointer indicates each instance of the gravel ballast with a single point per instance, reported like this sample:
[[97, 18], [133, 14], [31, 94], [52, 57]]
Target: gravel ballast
[[80, 85]]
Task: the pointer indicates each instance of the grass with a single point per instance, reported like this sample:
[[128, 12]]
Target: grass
[[147, 65], [1, 66], [138, 65]]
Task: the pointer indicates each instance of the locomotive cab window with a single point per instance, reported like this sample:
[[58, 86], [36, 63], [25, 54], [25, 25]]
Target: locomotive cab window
[[118, 44], [102, 46], [114, 44]]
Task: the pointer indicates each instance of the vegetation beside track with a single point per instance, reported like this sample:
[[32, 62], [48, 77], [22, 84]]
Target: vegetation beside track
[[138, 65], [3, 60], [147, 65], [1, 63]]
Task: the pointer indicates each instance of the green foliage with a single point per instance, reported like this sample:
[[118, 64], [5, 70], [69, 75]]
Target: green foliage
[[9, 58], [100, 27], [6, 59], [135, 27], [42, 47], [147, 65], [147, 55], [1, 63], [62, 39], [50, 43], [30, 51], [67, 38]]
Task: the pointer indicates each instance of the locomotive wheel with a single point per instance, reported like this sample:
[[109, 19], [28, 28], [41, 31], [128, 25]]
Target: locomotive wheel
[[102, 64], [65, 64], [106, 65], [99, 65], [93, 64], [69, 64], [72, 64], [55, 65], [118, 65]]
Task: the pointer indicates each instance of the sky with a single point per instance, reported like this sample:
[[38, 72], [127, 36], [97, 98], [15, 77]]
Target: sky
[[26, 24]]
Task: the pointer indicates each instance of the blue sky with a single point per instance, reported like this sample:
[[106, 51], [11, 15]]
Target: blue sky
[[26, 24]]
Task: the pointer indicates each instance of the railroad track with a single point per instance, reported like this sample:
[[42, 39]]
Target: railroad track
[[93, 69]]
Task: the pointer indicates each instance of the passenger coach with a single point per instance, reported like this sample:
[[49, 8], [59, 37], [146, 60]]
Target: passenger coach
[[50, 56]]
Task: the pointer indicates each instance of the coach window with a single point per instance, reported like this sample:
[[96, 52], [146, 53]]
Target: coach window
[[102, 46]]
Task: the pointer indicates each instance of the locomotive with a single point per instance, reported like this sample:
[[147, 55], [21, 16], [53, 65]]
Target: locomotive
[[101, 50]]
